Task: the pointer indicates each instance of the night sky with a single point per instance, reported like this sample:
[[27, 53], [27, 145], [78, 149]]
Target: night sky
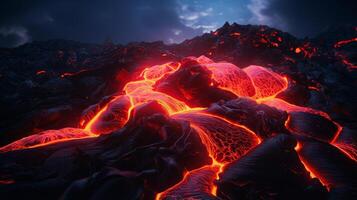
[[172, 21]]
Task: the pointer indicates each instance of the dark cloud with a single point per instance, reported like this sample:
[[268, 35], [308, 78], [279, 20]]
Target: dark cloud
[[169, 20], [304, 17], [90, 21]]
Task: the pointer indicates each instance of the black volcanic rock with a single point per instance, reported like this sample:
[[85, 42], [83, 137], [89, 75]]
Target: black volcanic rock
[[312, 125], [270, 171], [265, 121]]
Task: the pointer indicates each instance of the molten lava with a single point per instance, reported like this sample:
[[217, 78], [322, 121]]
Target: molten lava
[[312, 172], [166, 84], [194, 183], [267, 84], [229, 77], [46, 138], [225, 141]]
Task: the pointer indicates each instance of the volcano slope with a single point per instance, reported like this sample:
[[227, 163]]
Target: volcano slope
[[260, 115]]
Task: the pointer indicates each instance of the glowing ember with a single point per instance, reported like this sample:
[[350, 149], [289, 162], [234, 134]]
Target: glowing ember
[[235, 34], [67, 74], [297, 50], [40, 72], [344, 42], [307, 50], [345, 61]]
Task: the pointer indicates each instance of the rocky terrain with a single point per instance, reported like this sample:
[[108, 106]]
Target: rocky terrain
[[52, 84]]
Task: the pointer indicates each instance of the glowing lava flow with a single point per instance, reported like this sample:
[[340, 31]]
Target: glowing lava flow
[[344, 42], [229, 77], [224, 140], [283, 105], [191, 183], [349, 150], [313, 173], [208, 126], [267, 84], [46, 138]]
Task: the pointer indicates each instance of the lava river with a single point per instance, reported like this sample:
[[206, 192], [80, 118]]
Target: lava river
[[186, 90]]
